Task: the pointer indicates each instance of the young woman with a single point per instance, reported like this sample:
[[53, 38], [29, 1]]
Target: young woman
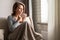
[[20, 25]]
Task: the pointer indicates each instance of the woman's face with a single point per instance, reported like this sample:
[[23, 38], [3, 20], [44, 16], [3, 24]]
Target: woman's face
[[19, 10]]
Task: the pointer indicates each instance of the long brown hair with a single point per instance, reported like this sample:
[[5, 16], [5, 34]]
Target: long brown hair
[[16, 4]]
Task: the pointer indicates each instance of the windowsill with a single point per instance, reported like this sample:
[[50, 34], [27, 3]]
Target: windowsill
[[43, 23]]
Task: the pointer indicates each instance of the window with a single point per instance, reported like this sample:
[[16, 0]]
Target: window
[[44, 11]]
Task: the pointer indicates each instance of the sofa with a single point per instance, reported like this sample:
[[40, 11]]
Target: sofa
[[4, 30]]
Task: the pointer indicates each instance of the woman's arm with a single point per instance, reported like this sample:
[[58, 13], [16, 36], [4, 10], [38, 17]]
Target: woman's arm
[[12, 25]]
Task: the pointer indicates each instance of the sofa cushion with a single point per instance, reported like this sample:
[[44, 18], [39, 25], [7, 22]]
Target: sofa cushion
[[4, 26]]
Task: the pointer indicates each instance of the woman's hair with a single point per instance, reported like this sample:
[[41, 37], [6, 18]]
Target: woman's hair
[[16, 4]]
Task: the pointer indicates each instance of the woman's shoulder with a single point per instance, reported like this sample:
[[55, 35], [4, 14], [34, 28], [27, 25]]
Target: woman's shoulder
[[10, 17]]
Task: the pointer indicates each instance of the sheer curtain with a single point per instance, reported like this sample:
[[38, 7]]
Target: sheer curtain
[[44, 11]]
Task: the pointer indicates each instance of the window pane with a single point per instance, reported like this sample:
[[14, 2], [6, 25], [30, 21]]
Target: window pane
[[44, 11]]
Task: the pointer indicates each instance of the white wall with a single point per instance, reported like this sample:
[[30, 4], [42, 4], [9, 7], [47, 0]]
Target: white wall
[[6, 7]]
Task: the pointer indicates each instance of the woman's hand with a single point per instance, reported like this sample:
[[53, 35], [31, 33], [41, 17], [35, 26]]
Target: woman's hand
[[19, 19], [22, 18]]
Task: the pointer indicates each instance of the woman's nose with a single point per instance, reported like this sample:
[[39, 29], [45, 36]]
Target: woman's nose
[[20, 9]]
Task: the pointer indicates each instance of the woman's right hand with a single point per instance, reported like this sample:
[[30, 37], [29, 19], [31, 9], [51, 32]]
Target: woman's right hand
[[19, 19]]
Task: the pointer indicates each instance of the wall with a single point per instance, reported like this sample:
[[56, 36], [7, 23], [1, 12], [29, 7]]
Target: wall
[[6, 7]]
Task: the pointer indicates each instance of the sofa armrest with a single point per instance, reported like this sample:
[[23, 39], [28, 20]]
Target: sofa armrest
[[1, 34]]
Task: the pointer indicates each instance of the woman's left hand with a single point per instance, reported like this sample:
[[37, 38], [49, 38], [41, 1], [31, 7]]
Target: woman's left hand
[[23, 16]]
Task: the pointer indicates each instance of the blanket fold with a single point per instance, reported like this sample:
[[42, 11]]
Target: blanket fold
[[24, 32]]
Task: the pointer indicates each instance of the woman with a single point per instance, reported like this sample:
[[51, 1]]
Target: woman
[[20, 25]]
